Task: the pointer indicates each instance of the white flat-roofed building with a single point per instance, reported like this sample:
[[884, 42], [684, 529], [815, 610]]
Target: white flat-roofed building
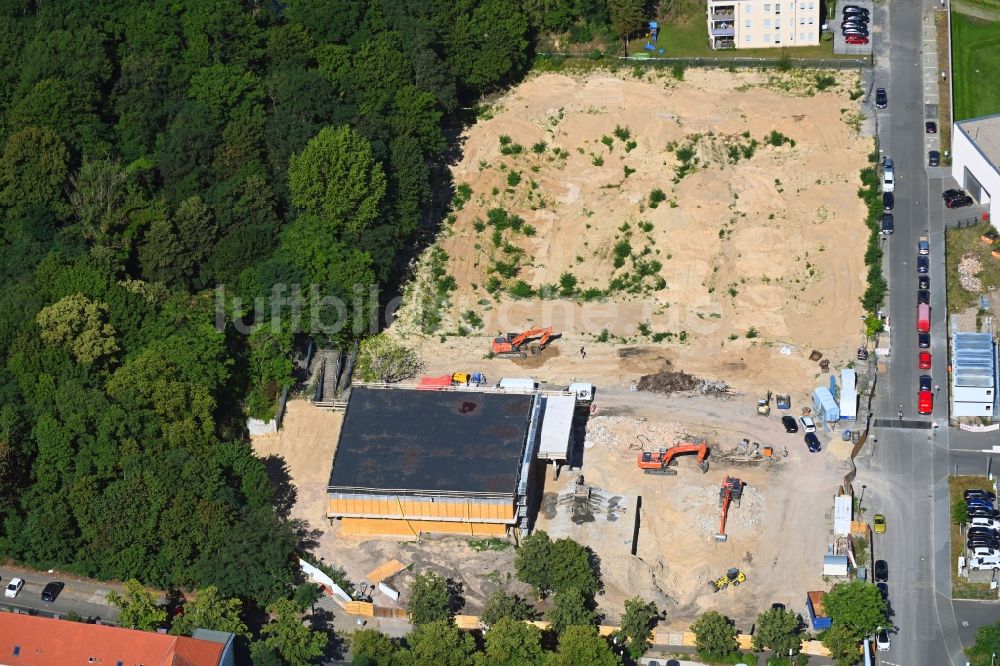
[[756, 24], [973, 377]]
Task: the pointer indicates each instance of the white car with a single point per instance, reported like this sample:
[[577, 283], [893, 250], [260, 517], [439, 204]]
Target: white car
[[985, 553], [882, 640], [13, 587], [988, 523], [888, 181], [808, 424], [982, 563]]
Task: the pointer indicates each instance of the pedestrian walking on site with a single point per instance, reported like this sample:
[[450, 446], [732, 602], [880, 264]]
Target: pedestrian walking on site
[[583, 352], [937, 389]]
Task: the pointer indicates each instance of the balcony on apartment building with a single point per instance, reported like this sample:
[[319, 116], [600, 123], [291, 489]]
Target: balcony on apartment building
[[723, 43], [723, 12], [725, 28]]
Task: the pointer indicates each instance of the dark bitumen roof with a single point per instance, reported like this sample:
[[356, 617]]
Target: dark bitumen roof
[[443, 441]]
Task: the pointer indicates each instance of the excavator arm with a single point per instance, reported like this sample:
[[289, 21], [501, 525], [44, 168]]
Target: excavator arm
[[520, 339]]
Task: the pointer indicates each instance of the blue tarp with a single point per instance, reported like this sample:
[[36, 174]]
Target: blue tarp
[[824, 405]]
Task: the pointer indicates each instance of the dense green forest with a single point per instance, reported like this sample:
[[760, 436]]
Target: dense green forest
[[154, 152]]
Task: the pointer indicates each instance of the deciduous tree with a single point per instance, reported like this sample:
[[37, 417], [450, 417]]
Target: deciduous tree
[[374, 647], [986, 645], [286, 634], [857, 606], [430, 599], [714, 634], [779, 630], [489, 44], [571, 609], [81, 326], [583, 645], [210, 610], [501, 605], [512, 642], [637, 625], [138, 608], [439, 643], [33, 168], [382, 358]]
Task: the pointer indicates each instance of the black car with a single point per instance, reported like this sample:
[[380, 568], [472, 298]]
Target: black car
[[923, 297], [976, 492], [881, 571], [976, 512], [887, 223], [854, 23], [881, 98], [958, 202], [923, 282], [883, 589], [933, 158], [888, 201], [812, 442], [924, 340], [930, 127], [51, 591], [925, 382], [983, 542], [858, 32], [922, 264], [980, 502], [854, 10], [948, 194], [979, 530], [790, 425]]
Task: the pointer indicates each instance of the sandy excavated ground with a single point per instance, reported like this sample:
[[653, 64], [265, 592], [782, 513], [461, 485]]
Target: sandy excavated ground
[[783, 231]]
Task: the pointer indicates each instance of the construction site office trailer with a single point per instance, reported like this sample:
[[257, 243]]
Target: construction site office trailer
[[848, 395]]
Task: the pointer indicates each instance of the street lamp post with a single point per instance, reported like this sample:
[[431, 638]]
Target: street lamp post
[[862, 498]]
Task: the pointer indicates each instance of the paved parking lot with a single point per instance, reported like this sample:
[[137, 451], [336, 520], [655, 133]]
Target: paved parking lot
[[839, 45]]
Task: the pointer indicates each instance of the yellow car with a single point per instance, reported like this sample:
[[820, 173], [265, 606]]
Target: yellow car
[[879, 523]]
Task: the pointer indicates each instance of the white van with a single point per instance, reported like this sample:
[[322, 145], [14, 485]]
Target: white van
[[888, 181]]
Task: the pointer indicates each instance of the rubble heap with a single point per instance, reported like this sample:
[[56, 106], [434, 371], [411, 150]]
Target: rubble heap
[[968, 268]]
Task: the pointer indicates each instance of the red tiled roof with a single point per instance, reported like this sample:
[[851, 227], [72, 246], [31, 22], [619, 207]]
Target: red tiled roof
[[46, 642]]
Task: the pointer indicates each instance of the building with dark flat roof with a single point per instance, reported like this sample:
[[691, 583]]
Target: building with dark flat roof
[[411, 461]]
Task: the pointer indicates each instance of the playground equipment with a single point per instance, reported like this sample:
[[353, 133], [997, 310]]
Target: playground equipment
[[654, 31]]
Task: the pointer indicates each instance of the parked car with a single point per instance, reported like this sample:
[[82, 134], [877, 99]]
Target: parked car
[[977, 503], [933, 158], [882, 641], [854, 20], [948, 194], [888, 224], [981, 563], [976, 492], [930, 127], [888, 201], [922, 264], [980, 542], [924, 340], [855, 32], [881, 98], [985, 552], [883, 589], [925, 402], [959, 202], [51, 591], [808, 424], [923, 245], [881, 571], [983, 512], [879, 523], [981, 531], [13, 587], [854, 9], [790, 425], [924, 360], [988, 523], [923, 282], [855, 40], [923, 297], [812, 443], [888, 181], [925, 382]]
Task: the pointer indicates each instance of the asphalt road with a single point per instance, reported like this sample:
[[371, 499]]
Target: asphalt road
[[88, 599], [900, 472]]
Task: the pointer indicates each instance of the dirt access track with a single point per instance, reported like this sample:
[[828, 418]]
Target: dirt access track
[[751, 258]]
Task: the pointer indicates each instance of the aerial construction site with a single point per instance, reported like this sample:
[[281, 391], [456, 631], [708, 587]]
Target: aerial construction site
[[678, 473]]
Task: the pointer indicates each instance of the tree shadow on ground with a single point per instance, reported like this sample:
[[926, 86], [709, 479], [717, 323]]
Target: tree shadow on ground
[[284, 491]]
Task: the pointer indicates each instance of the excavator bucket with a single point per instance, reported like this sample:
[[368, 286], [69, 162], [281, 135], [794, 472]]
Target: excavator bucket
[[721, 538], [704, 466]]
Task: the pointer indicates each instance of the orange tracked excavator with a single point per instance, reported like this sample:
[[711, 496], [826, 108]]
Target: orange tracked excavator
[[659, 462], [731, 491], [510, 344]]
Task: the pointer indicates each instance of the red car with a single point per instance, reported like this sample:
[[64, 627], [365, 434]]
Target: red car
[[925, 360], [925, 402], [855, 39]]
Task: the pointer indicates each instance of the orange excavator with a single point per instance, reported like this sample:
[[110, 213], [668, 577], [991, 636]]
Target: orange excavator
[[731, 491], [510, 344], [659, 462]]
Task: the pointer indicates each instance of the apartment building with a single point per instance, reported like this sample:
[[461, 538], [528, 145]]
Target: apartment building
[[755, 24]]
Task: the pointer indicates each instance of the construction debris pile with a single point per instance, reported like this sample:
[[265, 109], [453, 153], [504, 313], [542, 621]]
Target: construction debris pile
[[669, 382], [631, 434], [968, 268]]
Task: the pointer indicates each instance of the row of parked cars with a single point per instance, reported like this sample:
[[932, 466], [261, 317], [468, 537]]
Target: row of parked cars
[[983, 536], [49, 592], [854, 25], [809, 426]]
